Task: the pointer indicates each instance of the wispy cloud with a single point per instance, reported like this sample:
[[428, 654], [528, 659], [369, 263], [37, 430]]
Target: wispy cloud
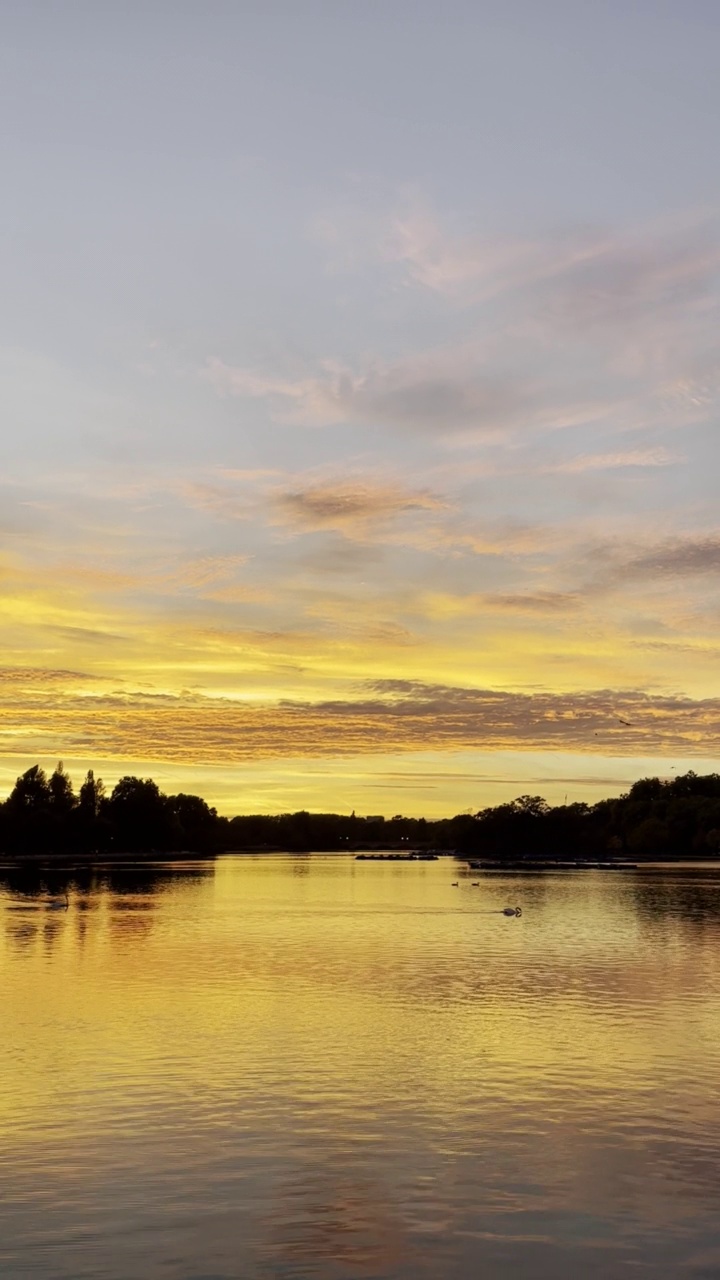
[[352, 508], [603, 328], [204, 571], [437, 391], [29, 678], [676, 557], [593, 274], [368, 509], [631, 458], [538, 602], [482, 267], [387, 716]]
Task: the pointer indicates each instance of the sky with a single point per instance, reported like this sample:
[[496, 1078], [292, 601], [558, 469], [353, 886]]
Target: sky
[[359, 382]]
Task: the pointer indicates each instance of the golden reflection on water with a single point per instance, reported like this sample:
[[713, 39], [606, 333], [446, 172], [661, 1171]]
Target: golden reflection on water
[[311, 1067]]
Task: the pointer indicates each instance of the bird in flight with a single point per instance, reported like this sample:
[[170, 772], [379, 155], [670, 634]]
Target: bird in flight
[[627, 723]]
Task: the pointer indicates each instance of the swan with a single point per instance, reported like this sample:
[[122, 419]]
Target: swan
[[454, 884], [59, 904], [512, 911]]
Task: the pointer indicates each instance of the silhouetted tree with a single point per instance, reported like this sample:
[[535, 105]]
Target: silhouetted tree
[[140, 815], [647, 789], [93, 829], [29, 824], [62, 798], [31, 792], [194, 821], [92, 793]]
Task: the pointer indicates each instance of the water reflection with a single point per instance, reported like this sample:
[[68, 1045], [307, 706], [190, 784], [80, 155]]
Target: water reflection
[[19, 933], [692, 896], [29, 880], [125, 895], [277, 1067], [328, 1223]]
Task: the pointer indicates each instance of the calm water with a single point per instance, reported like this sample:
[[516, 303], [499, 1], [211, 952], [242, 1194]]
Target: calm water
[[319, 1069]]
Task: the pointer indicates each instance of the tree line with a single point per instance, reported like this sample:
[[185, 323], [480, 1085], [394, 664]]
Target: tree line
[[679, 817], [671, 818]]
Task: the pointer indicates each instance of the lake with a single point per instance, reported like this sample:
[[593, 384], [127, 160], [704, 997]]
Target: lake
[[311, 1068]]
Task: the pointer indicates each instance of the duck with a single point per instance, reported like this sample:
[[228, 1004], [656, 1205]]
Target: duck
[[59, 904]]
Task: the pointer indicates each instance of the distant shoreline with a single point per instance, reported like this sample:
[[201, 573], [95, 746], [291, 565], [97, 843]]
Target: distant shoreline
[[511, 866], [44, 821]]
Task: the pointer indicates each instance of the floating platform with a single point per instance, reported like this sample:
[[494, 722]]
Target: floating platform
[[396, 857]]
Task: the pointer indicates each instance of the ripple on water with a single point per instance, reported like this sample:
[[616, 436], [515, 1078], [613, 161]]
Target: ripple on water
[[360, 1071]]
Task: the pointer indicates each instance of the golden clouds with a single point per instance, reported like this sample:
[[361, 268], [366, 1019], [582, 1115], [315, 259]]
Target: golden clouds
[[389, 716], [358, 612]]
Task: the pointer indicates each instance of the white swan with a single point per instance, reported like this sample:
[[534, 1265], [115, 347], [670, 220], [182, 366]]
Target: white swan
[[59, 904]]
